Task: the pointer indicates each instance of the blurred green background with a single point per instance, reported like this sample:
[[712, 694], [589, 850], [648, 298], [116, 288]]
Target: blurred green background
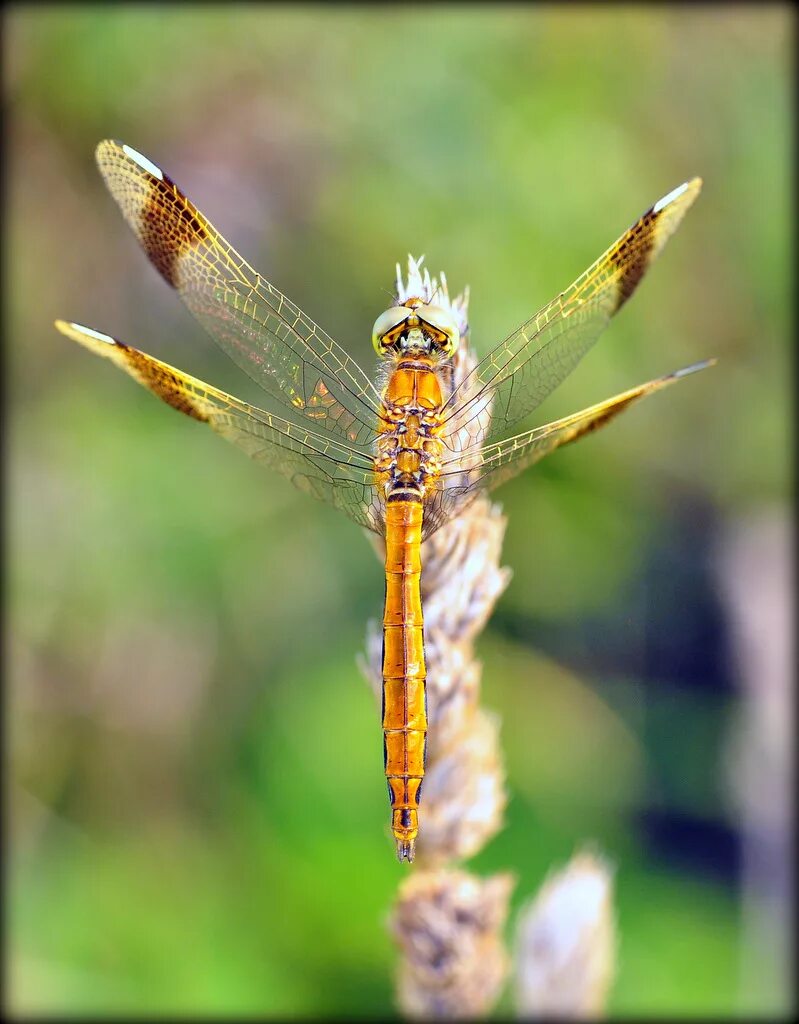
[[182, 626]]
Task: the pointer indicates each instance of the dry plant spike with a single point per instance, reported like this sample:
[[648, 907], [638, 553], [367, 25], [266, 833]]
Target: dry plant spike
[[566, 943], [464, 794], [448, 925]]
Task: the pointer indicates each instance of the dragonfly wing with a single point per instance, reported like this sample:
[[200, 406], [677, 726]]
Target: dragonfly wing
[[466, 475], [280, 347], [513, 379], [317, 463]]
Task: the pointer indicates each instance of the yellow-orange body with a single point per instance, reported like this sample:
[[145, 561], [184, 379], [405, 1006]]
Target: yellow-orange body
[[408, 465]]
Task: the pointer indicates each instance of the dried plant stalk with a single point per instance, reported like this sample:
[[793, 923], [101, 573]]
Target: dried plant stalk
[[566, 943]]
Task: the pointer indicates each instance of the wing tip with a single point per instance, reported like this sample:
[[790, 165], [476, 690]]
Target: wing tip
[[687, 192], [85, 335], [122, 148], [686, 371]]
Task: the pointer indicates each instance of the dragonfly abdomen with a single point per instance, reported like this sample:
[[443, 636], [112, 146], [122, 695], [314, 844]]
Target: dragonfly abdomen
[[404, 673]]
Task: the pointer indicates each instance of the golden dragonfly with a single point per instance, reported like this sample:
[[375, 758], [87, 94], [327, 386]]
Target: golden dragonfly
[[402, 452]]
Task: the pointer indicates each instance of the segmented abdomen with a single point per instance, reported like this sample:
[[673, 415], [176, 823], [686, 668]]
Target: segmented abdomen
[[404, 705]]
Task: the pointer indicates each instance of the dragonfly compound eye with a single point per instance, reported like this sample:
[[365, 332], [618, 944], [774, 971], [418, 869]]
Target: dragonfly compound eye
[[440, 325], [388, 327]]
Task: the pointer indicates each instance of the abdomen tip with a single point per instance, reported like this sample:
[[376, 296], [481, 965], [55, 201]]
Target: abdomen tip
[[405, 850]]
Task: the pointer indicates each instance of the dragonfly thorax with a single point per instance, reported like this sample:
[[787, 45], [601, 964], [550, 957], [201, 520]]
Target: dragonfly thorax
[[409, 448]]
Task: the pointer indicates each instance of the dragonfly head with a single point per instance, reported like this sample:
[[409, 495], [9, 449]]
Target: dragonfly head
[[416, 327]]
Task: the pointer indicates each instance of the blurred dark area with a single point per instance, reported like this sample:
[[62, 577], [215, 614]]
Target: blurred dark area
[[182, 627]]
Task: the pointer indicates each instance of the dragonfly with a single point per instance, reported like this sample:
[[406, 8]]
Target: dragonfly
[[401, 451]]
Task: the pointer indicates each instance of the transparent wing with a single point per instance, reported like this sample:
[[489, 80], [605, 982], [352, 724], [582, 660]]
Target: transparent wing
[[317, 463], [280, 347], [465, 476], [513, 379]]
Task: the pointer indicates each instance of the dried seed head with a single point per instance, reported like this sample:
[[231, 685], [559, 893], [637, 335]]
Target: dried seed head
[[448, 926], [462, 579], [420, 285], [464, 793], [566, 944]]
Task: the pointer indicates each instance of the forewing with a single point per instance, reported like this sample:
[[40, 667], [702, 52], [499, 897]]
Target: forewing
[[319, 464], [280, 347], [513, 379]]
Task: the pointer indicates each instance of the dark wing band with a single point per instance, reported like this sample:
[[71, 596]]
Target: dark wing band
[[280, 347], [513, 379]]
